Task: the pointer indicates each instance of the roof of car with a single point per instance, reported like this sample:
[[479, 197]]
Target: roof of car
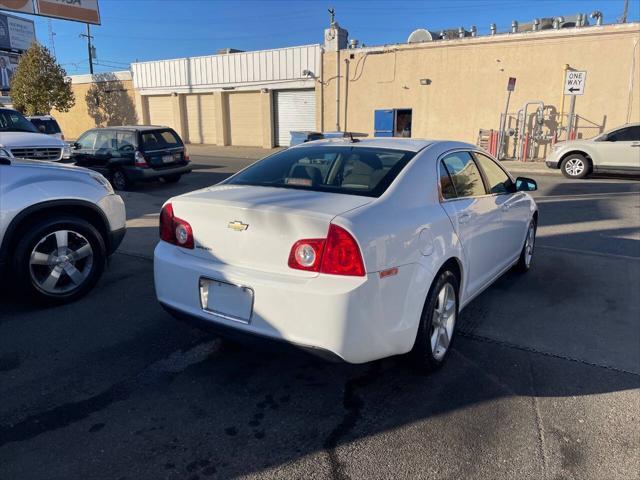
[[396, 143], [132, 127]]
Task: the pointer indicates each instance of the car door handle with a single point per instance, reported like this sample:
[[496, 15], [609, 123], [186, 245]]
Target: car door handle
[[464, 217]]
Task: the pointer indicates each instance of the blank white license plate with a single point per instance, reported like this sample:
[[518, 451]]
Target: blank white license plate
[[167, 159], [233, 302]]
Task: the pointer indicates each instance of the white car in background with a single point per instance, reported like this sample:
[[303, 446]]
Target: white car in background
[[58, 224], [615, 151], [363, 249], [46, 124], [19, 138]]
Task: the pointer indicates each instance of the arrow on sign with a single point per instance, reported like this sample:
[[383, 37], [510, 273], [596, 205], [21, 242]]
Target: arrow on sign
[[574, 89]]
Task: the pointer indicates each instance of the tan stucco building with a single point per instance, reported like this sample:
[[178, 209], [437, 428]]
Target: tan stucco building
[[456, 87], [102, 100]]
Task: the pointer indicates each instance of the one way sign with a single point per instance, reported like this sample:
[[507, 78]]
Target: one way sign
[[574, 82]]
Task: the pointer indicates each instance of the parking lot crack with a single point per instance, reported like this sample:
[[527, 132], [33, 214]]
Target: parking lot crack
[[539, 425], [353, 404]]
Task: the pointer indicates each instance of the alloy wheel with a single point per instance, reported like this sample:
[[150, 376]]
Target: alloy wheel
[[61, 262], [119, 180], [443, 321], [574, 167], [529, 245]]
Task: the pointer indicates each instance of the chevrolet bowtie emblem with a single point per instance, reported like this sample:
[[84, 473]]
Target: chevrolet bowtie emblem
[[238, 226]]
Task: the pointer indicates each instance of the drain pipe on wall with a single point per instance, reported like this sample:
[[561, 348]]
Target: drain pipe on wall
[[631, 80], [346, 90], [338, 90]]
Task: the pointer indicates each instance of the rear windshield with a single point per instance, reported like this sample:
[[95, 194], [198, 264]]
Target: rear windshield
[[159, 139], [341, 169], [46, 126]]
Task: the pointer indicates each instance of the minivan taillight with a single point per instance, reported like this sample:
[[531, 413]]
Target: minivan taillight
[[338, 254], [174, 230], [139, 160], [185, 155]]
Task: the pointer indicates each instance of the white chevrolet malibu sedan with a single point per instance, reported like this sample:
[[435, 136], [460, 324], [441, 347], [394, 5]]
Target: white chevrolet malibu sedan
[[359, 249]]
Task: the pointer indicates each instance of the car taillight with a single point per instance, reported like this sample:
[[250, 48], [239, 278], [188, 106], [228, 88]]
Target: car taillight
[[338, 254], [185, 155], [306, 254], [174, 230], [139, 160]]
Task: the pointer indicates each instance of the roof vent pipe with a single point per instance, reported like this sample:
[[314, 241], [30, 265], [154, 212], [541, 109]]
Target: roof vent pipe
[[536, 24], [579, 20], [474, 31], [597, 16], [460, 32], [353, 43], [492, 27], [514, 26], [444, 35], [557, 22]]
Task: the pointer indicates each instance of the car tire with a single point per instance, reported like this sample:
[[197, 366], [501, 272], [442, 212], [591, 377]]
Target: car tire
[[526, 255], [120, 181], [575, 166], [439, 316], [172, 178], [59, 259]]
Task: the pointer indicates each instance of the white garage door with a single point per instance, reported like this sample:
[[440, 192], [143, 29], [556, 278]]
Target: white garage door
[[161, 110], [201, 119], [294, 110]]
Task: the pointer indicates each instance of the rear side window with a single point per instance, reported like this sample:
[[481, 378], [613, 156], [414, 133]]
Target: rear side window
[[499, 182], [342, 169], [46, 126], [159, 139], [464, 174], [126, 141]]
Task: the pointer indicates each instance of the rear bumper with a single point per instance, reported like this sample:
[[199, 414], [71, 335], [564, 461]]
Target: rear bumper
[[357, 319], [141, 174]]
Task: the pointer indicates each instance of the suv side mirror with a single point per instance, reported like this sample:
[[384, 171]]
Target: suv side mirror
[[524, 184], [75, 146]]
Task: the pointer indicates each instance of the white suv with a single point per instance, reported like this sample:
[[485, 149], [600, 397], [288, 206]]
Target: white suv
[[58, 224], [19, 138]]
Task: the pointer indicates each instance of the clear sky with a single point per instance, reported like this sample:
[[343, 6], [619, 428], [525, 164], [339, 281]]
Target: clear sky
[[155, 29]]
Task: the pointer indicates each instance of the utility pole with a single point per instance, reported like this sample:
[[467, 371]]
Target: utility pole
[[625, 11], [89, 49]]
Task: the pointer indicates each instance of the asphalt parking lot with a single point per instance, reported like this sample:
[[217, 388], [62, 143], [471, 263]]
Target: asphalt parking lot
[[543, 381]]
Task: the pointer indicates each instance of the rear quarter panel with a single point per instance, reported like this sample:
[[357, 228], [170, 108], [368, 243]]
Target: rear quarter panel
[[408, 229]]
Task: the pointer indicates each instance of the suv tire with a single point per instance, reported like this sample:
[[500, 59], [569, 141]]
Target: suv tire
[[575, 166], [119, 180], [59, 259]]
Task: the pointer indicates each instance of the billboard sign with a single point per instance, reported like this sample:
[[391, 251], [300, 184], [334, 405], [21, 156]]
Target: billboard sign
[[22, 6], [85, 11], [16, 33]]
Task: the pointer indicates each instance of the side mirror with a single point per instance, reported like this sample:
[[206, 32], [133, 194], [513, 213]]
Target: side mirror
[[524, 184], [75, 146]]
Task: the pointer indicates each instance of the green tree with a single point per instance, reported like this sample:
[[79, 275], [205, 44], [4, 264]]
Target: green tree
[[39, 85]]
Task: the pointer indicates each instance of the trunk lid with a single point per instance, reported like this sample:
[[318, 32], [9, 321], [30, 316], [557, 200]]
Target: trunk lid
[[255, 227]]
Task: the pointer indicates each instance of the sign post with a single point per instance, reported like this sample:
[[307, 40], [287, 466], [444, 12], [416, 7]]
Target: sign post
[[574, 84], [511, 86]]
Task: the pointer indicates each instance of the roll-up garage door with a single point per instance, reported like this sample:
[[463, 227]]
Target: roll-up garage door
[[294, 110], [245, 119], [161, 110], [200, 113]]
